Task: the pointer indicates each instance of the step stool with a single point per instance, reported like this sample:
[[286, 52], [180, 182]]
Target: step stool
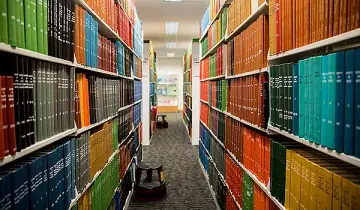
[[162, 123]]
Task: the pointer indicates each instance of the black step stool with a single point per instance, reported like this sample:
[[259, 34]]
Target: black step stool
[[163, 123]]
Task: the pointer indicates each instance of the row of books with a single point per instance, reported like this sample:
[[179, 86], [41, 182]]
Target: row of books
[[126, 187], [317, 99], [218, 94], [125, 29], [125, 123], [137, 114], [188, 76], [45, 179], [30, 113], [137, 90], [106, 10], [137, 67], [215, 6], [301, 177], [138, 43], [217, 124], [205, 21], [204, 113], [246, 194], [248, 99], [101, 191], [188, 100], [204, 90], [97, 98], [250, 147], [125, 156], [187, 87], [215, 65], [309, 22], [248, 50], [215, 33], [102, 145]]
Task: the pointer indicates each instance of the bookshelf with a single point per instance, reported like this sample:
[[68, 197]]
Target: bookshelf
[[167, 93], [57, 65], [255, 107], [150, 105], [190, 81]]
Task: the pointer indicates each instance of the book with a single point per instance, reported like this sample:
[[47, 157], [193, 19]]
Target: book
[[339, 102], [357, 104], [349, 102]]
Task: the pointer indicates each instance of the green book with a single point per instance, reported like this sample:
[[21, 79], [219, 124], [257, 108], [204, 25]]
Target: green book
[[281, 96], [290, 97], [11, 5], [285, 97], [317, 83], [310, 112], [28, 26], [33, 25], [22, 25], [40, 25], [301, 99], [4, 22], [17, 22], [330, 128], [45, 25], [307, 103]]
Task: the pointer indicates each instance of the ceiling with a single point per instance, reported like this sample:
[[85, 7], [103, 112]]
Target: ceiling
[[154, 14]]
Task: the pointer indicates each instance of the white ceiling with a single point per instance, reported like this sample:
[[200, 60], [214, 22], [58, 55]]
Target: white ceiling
[[154, 14]]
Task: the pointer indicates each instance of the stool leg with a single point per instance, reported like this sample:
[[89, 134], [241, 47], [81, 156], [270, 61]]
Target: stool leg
[[148, 175]]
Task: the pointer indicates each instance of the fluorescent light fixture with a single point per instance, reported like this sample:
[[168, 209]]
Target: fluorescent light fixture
[[171, 27], [172, 0], [170, 55], [170, 44]]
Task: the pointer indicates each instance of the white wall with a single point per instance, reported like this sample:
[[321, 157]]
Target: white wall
[[173, 66]]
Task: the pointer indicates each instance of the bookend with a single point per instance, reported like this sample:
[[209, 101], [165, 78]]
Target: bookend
[[149, 186]]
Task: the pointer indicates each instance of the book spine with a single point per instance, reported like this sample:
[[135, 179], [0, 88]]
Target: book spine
[[324, 99], [339, 102], [295, 77], [317, 85], [11, 17], [301, 99], [40, 25], [45, 27], [357, 104], [349, 102], [4, 146], [34, 27], [330, 128], [4, 31]]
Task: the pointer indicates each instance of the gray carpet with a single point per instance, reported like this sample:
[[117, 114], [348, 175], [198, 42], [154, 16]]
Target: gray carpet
[[186, 184]]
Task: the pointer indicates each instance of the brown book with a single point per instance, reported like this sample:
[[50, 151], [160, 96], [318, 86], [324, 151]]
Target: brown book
[[326, 19], [322, 19], [331, 18], [306, 23], [313, 20], [272, 27], [11, 114], [336, 28], [351, 15], [343, 14], [282, 25]]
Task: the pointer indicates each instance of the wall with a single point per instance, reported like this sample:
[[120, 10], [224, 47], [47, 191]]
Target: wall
[[173, 66]]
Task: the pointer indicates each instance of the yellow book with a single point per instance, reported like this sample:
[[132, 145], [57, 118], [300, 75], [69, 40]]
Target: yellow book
[[288, 179], [313, 185], [336, 192], [298, 181], [320, 188], [292, 181], [328, 184], [345, 194], [305, 184], [355, 195], [81, 96]]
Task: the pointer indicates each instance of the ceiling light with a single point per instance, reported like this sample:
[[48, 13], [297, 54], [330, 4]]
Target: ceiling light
[[170, 44], [170, 55], [171, 27], [172, 0]]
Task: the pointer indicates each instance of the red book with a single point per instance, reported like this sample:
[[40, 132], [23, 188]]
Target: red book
[[4, 123], [2, 138], [10, 114]]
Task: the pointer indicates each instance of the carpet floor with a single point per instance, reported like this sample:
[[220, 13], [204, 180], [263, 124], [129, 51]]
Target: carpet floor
[[186, 185]]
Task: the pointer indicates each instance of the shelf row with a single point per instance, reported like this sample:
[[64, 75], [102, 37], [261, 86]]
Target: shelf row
[[273, 131], [187, 106], [253, 177], [71, 132]]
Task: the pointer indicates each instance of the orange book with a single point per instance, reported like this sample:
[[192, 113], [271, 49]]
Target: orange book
[[331, 18], [306, 23], [326, 19], [321, 9], [343, 14], [351, 15], [336, 18], [283, 13], [357, 15]]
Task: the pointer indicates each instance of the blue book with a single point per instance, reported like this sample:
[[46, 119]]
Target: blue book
[[307, 99], [5, 191], [67, 174], [301, 99], [317, 84], [295, 127], [51, 161], [349, 102], [311, 104], [45, 194], [330, 128], [35, 184], [73, 166], [339, 100], [87, 39], [357, 104], [20, 187], [324, 99], [60, 177]]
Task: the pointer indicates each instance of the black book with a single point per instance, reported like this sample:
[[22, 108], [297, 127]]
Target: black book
[[30, 101], [60, 28], [72, 30], [50, 33]]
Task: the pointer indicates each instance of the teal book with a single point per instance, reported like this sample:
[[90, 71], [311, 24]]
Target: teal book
[[40, 25], [357, 104], [301, 99], [28, 26], [349, 102], [295, 90], [324, 99], [11, 14], [339, 102], [45, 25], [317, 84], [307, 99], [311, 90], [33, 25], [4, 22], [330, 128], [18, 23], [22, 25]]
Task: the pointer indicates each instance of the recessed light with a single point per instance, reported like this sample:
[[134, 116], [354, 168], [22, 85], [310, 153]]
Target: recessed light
[[171, 27], [170, 44], [172, 0], [170, 55]]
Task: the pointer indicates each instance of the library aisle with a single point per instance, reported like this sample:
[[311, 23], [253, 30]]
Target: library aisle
[[186, 184]]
